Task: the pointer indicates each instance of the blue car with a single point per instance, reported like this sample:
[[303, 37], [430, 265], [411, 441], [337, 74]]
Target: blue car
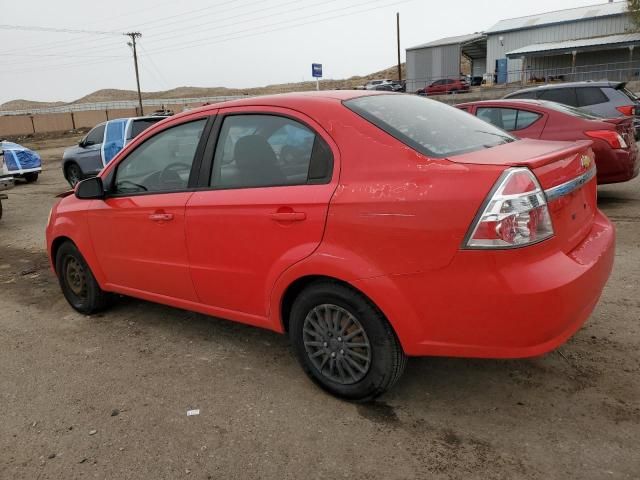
[[20, 162]]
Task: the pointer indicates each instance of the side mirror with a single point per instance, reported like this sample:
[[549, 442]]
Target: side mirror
[[90, 189]]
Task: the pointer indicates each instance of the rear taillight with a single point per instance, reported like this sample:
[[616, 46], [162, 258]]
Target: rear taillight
[[514, 215], [614, 139], [628, 110]]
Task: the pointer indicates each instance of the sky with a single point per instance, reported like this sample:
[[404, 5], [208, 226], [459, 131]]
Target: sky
[[232, 43]]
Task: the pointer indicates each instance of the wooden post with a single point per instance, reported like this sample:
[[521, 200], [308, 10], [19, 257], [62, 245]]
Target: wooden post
[[73, 122], [398, 42]]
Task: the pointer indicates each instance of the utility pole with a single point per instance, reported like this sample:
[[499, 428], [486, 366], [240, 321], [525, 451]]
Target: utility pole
[[398, 39], [132, 44]]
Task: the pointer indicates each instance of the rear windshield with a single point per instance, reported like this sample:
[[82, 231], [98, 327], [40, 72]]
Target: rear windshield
[[568, 109], [428, 126], [141, 125]]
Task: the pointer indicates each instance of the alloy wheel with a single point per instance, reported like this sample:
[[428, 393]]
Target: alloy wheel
[[336, 344]]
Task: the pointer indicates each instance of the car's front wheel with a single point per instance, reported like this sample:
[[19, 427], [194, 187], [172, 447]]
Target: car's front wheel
[[73, 174], [344, 343], [78, 284]]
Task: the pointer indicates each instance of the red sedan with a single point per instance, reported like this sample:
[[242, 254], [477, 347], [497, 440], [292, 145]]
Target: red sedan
[[444, 86], [613, 139], [368, 226]]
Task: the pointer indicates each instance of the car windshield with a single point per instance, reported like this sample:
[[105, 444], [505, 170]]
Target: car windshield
[[568, 109], [428, 126]]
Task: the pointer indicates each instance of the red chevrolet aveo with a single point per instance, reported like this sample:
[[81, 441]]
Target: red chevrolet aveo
[[368, 226]]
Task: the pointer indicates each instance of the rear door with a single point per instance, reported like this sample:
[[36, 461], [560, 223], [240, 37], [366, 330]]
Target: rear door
[[272, 173]]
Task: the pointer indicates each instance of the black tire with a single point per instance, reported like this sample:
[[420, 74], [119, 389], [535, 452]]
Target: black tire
[[386, 357], [31, 177], [73, 174], [77, 282]]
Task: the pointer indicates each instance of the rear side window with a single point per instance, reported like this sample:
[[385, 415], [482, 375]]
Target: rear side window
[[566, 96], [590, 96], [526, 119], [428, 126], [141, 125], [507, 118], [268, 150]]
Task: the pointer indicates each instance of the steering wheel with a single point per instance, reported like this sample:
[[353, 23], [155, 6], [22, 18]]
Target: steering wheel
[[170, 176]]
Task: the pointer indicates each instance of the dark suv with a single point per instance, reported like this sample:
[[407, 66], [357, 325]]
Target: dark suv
[[604, 99]]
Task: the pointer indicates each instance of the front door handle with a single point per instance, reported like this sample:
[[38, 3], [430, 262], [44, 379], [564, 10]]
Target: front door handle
[[161, 217], [288, 216]]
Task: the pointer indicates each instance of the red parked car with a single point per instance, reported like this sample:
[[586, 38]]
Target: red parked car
[[444, 86], [368, 226], [613, 139]]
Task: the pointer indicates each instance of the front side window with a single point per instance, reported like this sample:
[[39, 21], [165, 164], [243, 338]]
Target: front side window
[[162, 163], [509, 119], [429, 127], [95, 136], [267, 150]]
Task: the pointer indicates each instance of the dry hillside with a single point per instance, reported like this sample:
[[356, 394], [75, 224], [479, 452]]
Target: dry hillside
[[109, 95]]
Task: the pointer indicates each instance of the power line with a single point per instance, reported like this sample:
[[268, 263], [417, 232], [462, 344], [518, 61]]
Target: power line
[[55, 30], [227, 37], [57, 55]]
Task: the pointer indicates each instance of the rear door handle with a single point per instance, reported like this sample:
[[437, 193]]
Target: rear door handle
[[288, 216], [161, 217]]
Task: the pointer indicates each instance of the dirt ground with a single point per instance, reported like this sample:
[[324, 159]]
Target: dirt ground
[[107, 396]]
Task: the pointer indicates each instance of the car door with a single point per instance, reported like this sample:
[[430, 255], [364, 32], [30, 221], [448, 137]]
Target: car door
[[138, 230], [89, 154], [269, 187]]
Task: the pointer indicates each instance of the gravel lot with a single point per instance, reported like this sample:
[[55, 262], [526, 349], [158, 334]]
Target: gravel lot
[[107, 396]]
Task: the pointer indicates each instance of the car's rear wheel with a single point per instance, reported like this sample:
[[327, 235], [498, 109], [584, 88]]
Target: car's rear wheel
[[78, 284], [31, 177], [344, 343], [73, 174]]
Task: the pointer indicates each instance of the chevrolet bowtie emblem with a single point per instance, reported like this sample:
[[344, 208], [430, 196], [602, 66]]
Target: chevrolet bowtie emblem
[[585, 161]]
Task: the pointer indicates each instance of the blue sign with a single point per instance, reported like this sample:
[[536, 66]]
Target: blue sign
[[316, 70]]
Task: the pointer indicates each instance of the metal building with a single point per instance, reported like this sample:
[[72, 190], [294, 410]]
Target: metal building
[[593, 42], [442, 59], [582, 43]]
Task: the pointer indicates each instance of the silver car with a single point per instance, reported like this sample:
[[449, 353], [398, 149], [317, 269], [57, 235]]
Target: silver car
[[604, 99], [101, 144]]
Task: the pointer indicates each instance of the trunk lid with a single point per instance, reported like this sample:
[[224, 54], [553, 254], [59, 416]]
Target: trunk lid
[[566, 172]]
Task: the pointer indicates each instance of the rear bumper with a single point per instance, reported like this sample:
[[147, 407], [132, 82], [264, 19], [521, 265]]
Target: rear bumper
[[500, 304]]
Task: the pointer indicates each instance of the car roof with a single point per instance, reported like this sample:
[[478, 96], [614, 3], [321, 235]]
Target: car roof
[[290, 100], [501, 101], [588, 83]]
